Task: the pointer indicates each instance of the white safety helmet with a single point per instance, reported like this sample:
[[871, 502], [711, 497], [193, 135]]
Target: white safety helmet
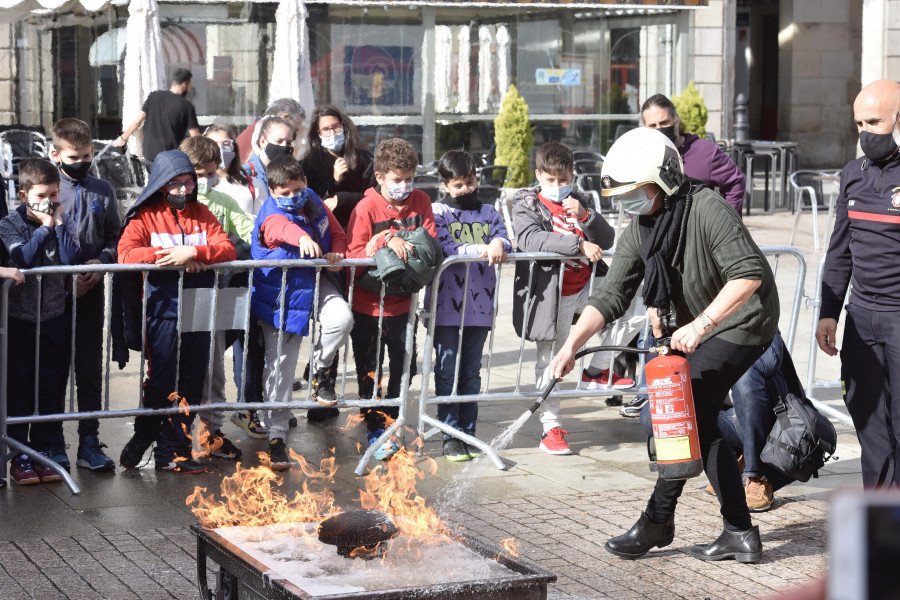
[[639, 157]]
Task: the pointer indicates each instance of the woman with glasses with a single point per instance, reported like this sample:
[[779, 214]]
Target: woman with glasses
[[338, 166], [230, 178]]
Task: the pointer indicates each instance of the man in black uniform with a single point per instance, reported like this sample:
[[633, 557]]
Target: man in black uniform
[[865, 251], [169, 118]]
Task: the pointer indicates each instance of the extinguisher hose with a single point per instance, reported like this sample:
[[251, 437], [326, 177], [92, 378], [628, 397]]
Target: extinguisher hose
[[553, 380]]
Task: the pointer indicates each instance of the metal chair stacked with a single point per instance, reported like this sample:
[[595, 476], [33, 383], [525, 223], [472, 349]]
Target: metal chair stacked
[[15, 146], [809, 193], [125, 172], [491, 181]]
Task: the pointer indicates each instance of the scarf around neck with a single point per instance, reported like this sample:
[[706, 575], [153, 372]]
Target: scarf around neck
[[662, 247]]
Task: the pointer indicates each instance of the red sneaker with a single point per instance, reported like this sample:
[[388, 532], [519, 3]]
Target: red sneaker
[[554, 441], [21, 471], [46, 474], [601, 381]]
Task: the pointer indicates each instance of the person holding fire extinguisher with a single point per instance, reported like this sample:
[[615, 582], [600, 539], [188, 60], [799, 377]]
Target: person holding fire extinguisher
[[715, 293]]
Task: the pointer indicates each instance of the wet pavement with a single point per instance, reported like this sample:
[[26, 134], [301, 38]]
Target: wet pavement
[[126, 535]]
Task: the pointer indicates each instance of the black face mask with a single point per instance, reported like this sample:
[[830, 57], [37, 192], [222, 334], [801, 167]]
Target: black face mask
[[76, 170], [468, 201], [877, 146], [669, 132], [177, 201], [274, 151]]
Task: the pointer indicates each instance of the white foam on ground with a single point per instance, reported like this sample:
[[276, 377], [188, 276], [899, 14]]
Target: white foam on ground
[[317, 569]]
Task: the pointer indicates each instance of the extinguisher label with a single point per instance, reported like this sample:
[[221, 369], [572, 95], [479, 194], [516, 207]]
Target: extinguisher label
[[667, 399], [673, 448]]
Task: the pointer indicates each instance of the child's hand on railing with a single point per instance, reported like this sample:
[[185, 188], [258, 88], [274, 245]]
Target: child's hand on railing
[[308, 247], [176, 256]]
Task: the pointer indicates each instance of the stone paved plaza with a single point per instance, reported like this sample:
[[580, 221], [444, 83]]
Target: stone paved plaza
[[126, 536]]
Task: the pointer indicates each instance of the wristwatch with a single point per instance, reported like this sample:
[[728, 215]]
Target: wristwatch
[[388, 237], [705, 322]]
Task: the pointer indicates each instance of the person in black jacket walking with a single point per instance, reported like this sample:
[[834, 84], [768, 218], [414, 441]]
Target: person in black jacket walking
[[865, 251]]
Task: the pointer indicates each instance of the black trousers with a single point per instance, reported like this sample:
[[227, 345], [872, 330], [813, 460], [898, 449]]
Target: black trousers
[[171, 432], [88, 361], [364, 337], [870, 370], [52, 370], [715, 368]]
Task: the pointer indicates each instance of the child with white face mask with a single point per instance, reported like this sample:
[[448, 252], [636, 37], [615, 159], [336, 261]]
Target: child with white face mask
[[553, 218], [230, 178]]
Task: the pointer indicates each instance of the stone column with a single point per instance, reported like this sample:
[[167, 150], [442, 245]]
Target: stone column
[[7, 73], [711, 61], [819, 74]]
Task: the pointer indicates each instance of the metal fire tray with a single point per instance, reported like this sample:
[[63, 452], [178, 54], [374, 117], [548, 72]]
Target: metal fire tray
[[243, 577]]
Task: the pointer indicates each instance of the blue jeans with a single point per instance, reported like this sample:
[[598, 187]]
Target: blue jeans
[[459, 415], [747, 425]]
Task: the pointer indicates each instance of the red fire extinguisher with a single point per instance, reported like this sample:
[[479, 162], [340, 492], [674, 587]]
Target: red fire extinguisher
[[674, 419]]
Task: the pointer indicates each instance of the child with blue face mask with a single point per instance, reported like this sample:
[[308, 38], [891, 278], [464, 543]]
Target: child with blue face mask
[[293, 224], [553, 218]]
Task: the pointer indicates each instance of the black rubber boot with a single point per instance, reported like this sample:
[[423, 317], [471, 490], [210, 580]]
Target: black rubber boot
[[743, 546], [642, 537]]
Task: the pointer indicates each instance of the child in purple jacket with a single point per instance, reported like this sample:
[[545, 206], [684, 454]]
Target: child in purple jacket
[[464, 226]]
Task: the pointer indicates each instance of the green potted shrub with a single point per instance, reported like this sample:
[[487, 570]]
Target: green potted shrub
[[513, 138], [691, 110]]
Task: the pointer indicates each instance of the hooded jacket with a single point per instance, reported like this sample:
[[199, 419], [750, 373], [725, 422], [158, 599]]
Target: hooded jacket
[[151, 224], [533, 223]]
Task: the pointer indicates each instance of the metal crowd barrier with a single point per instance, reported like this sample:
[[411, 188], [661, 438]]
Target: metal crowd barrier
[[219, 308], [200, 310], [429, 426], [812, 384]]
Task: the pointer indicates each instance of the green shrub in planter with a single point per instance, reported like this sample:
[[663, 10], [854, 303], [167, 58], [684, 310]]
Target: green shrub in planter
[[513, 137], [691, 110]]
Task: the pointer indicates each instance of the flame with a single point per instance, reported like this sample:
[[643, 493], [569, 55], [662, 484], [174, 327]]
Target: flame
[[511, 545], [251, 496], [391, 488], [207, 443]]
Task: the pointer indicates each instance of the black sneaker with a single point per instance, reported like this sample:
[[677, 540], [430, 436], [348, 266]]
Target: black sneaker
[[632, 408], [614, 401], [455, 450], [221, 447], [180, 464], [278, 456], [323, 387], [133, 452], [473, 451]]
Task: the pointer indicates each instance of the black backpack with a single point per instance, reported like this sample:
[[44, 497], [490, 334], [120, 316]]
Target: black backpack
[[801, 441]]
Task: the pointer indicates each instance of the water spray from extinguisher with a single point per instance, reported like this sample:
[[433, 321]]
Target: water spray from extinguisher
[[671, 408]]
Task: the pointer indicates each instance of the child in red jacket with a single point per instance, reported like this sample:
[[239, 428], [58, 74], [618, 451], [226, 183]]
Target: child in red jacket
[[166, 226], [384, 210]]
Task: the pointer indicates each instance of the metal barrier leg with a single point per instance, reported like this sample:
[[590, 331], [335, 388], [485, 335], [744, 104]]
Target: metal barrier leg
[[34, 455]]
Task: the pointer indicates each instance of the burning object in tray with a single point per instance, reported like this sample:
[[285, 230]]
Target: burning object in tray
[[280, 561], [269, 544]]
